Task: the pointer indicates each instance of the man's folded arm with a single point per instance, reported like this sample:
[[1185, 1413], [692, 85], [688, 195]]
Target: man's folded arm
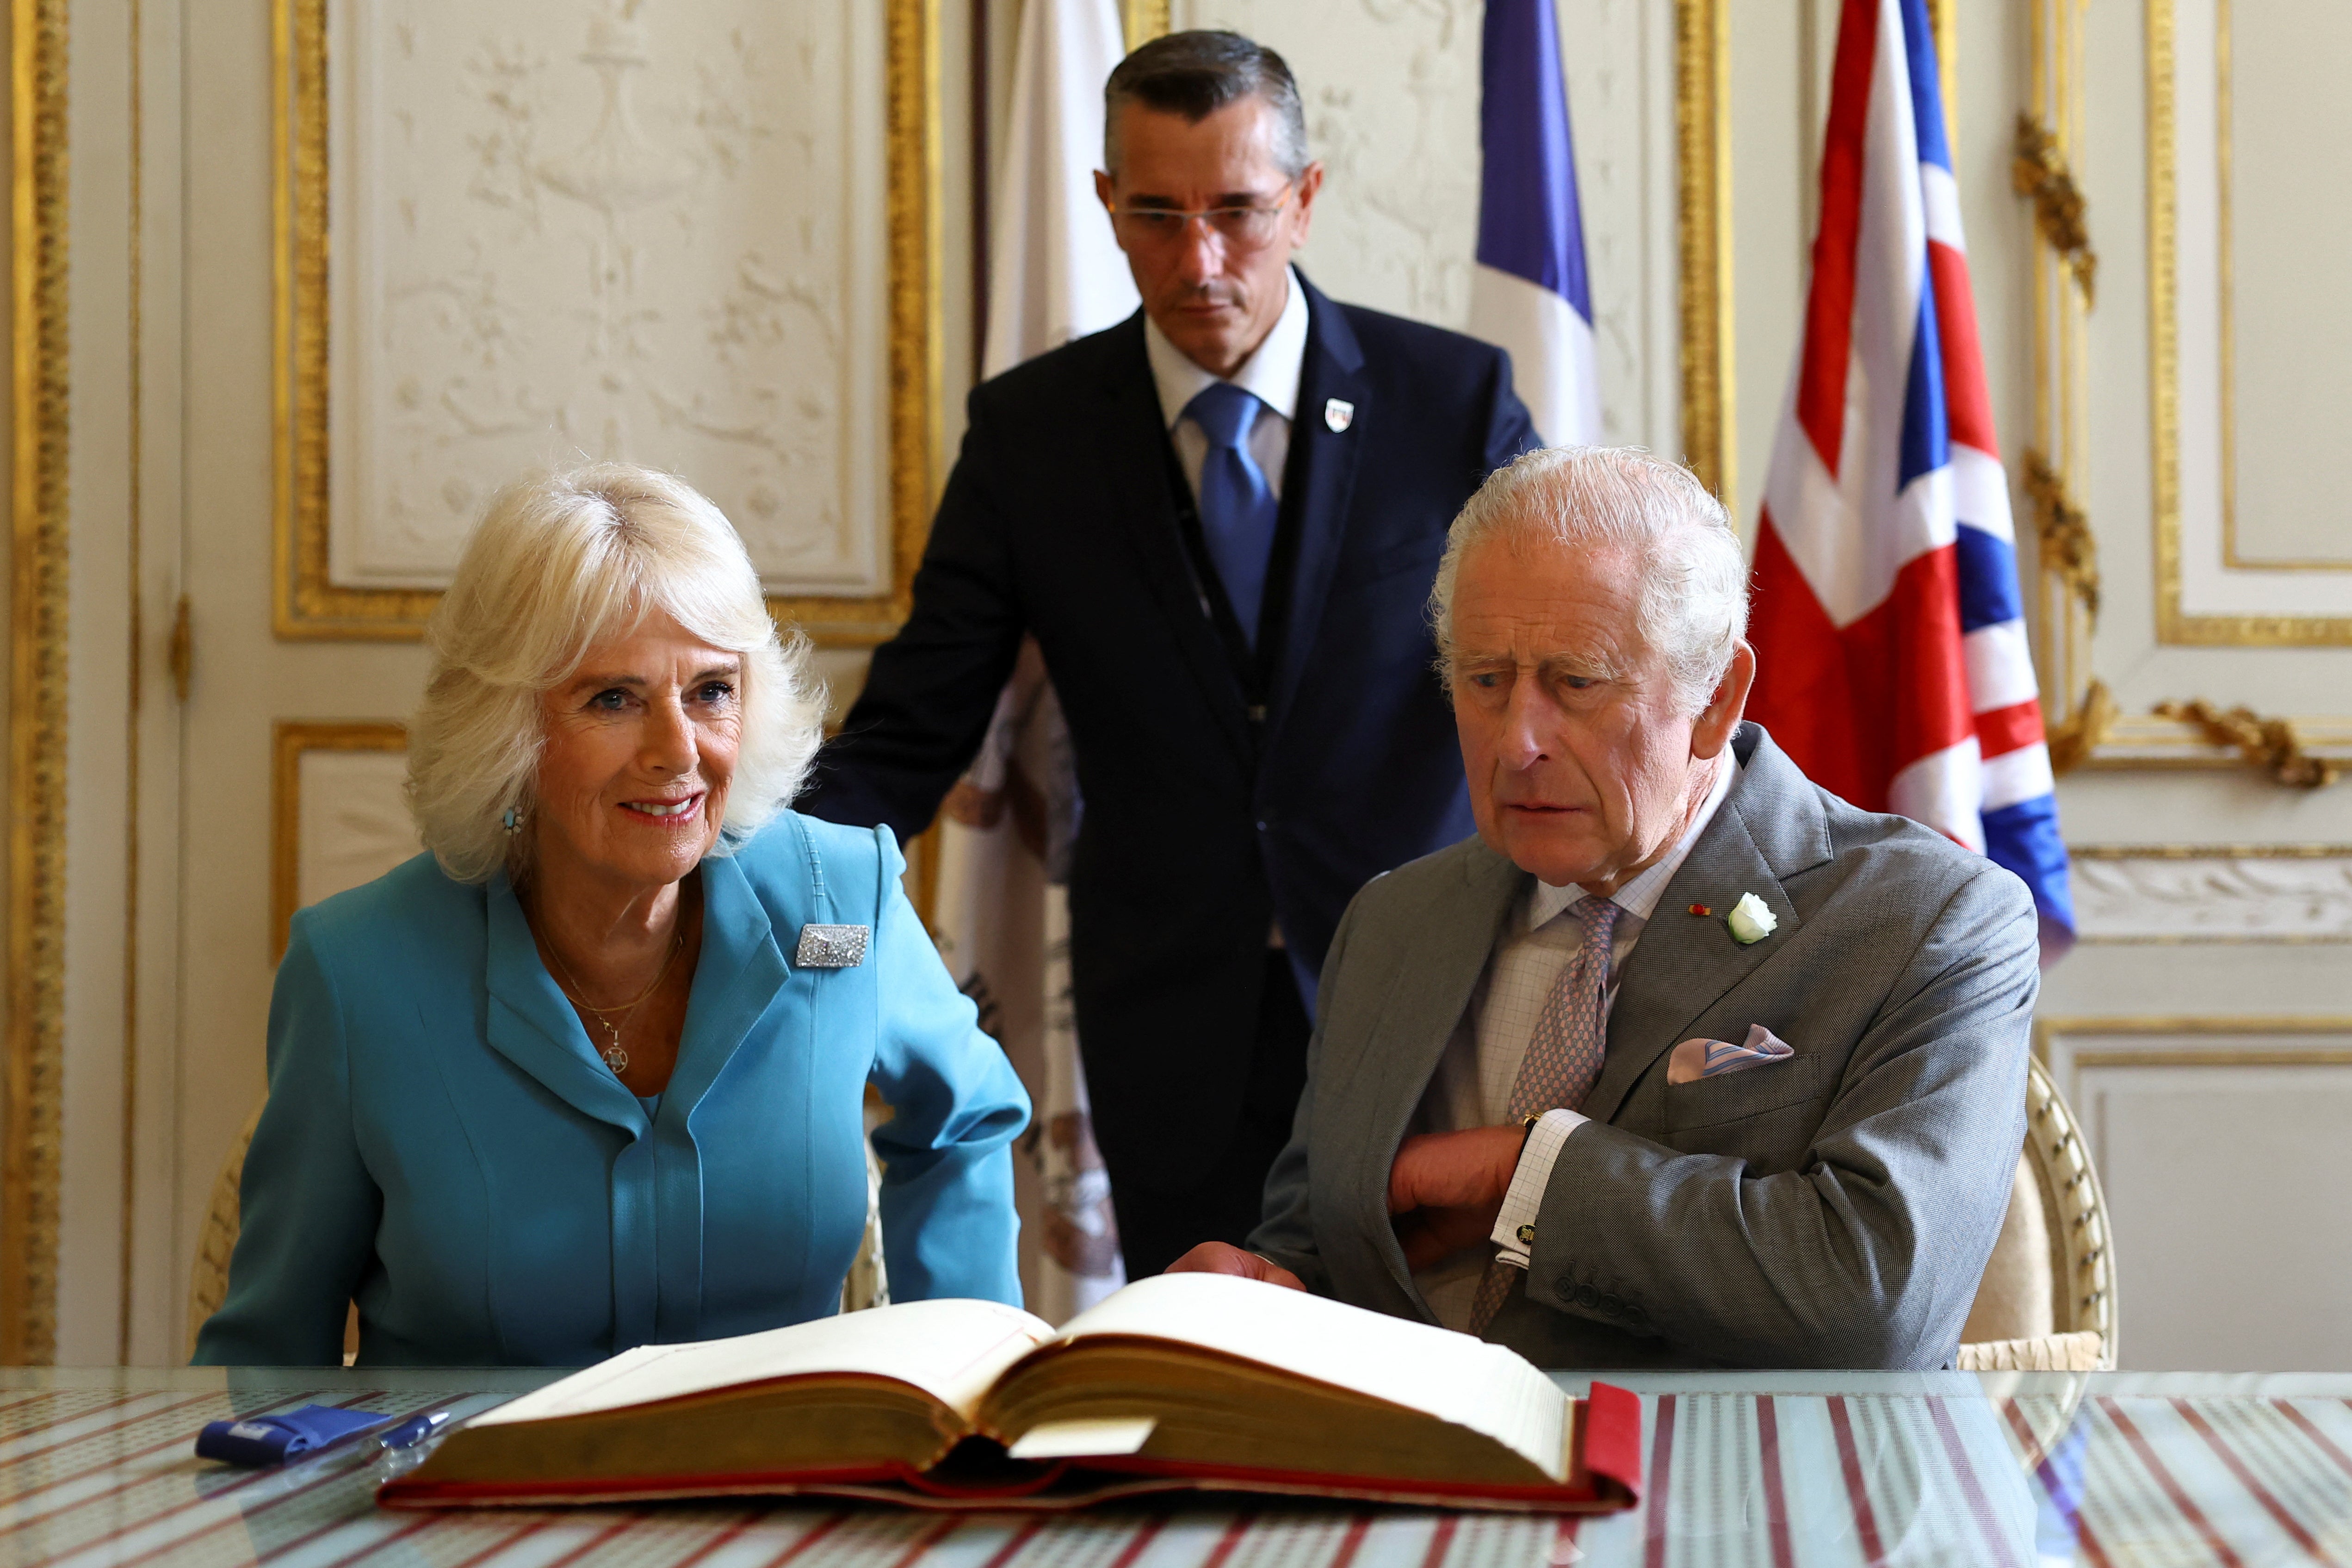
[[931, 689], [1869, 1253]]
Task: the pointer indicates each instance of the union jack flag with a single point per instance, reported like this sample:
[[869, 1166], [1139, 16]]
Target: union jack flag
[[1890, 633]]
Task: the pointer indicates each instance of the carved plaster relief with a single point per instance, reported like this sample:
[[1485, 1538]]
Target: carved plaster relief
[[1391, 96], [2214, 897], [641, 229], [1391, 91]]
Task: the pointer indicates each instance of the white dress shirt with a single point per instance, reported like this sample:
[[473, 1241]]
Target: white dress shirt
[[1472, 1087], [1271, 373]]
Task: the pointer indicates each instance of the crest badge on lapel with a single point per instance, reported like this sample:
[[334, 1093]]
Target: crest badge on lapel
[[1339, 414]]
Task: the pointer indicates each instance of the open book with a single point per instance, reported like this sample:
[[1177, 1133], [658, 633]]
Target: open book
[[1186, 1381]]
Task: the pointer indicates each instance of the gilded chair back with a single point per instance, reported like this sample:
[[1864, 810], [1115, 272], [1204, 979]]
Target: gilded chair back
[[2048, 1300], [208, 1280]]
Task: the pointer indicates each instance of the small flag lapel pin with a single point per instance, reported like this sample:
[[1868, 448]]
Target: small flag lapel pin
[[1339, 414]]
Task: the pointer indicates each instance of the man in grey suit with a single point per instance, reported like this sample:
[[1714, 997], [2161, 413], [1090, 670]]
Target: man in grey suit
[[1683, 1061]]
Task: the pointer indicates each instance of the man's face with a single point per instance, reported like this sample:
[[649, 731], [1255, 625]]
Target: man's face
[[1214, 288], [1582, 767]]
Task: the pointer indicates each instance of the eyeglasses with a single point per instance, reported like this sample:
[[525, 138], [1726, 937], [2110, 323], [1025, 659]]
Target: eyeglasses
[[1241, 228]]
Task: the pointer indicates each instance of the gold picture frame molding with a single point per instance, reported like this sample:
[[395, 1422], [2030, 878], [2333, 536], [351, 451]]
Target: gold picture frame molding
[[306, 606], [2191, 1026], [1703, 228], [1143, 20], [31, 1087]]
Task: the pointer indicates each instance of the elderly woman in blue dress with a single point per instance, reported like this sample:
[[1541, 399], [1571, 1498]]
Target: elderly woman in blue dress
[[591, 1072]]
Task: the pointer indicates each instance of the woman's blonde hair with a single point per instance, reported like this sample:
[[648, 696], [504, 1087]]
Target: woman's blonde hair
[[557, 565]]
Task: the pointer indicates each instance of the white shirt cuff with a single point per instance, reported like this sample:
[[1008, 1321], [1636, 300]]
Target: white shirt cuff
[[1515, 1228]]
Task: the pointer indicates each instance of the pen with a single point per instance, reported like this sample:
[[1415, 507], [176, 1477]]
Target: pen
[[415, 1429]]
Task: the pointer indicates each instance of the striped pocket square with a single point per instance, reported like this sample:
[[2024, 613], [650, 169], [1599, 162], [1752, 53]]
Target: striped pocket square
[[1695, 1060]]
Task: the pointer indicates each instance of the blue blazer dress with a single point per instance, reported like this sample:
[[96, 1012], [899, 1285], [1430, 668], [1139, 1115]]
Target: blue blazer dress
[[443, 1146]]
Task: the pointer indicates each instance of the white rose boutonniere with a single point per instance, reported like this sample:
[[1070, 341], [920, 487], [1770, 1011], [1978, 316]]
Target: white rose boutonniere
[[1751, 922]]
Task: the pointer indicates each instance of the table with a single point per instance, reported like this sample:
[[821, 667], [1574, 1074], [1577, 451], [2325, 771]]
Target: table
[[1772, 1469]]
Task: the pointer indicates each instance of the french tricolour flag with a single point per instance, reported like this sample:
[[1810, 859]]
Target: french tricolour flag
[[1892, 661], [1529, 293]]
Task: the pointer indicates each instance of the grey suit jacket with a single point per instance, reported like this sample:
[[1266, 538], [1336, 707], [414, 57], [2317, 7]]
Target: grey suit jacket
[[1832, 1209]]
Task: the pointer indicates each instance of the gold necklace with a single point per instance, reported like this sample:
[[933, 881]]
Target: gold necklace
[[614, 1057]]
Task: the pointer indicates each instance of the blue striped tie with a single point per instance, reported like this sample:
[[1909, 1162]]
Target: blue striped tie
[[1237, 506]]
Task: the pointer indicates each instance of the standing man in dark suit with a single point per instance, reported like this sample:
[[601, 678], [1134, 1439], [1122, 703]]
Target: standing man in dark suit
[[1219, 519]]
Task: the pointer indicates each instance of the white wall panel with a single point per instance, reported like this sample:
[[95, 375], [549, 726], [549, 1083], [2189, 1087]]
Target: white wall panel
[[2233, 1251], [2293, 364]]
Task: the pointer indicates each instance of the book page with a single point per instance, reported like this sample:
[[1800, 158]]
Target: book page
[[1448, 1375], [952, 1350]]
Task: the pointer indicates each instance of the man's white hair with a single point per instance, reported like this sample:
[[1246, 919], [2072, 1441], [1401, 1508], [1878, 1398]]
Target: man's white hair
[[557, 565], [1694, 600]]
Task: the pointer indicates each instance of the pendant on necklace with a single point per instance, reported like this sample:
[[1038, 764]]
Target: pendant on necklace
[[616, 1058]]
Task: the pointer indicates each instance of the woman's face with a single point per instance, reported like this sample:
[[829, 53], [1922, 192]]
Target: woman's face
[[640, 747]]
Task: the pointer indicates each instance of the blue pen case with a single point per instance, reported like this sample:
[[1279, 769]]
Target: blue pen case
[[257, 1440]]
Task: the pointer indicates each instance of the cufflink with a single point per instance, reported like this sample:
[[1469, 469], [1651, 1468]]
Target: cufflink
[[1527, 1236], [830, 947]]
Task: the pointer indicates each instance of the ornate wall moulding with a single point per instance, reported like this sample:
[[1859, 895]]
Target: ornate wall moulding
[[2048, 142], [337, 815], [2188, 350], [2213, 893], [32, 1085], [2274, 746], [2187, 1040], [704, 238], [2153, 741]]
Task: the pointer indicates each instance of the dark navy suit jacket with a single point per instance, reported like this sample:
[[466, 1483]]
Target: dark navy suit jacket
[[1222, 791]]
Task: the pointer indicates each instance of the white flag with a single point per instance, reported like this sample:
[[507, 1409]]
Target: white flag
[[1054, 274]]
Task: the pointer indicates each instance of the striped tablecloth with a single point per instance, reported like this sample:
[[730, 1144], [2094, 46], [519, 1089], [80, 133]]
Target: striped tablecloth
[[96, 1467]]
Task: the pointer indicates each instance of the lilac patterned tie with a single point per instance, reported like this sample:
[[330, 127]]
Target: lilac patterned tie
[[1563, 1061]]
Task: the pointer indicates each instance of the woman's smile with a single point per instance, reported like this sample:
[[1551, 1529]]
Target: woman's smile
[[680, 813]]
